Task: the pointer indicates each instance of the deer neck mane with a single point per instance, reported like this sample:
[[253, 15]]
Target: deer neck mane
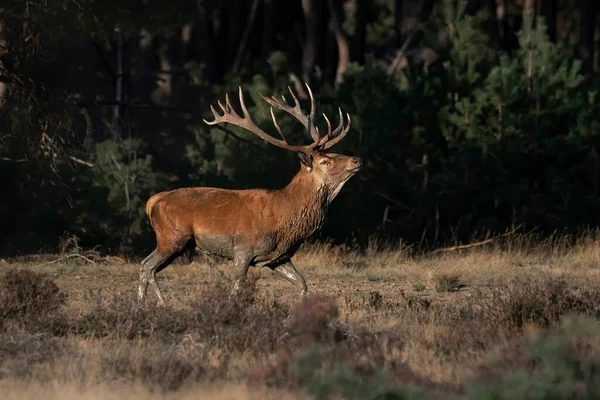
[[303, 204]]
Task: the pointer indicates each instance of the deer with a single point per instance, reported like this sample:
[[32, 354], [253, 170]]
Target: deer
[[253, 227]]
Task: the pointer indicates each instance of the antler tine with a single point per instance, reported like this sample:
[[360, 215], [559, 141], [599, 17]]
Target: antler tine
[[296, 102], [231, 117], [243, 105], [283, 105], [341, 135], [314, 132], [325, 138], [277, 126], [296, 111], [228, 106]]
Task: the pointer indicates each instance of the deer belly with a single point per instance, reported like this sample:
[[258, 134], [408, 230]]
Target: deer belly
[[274, 256], [216, 244]]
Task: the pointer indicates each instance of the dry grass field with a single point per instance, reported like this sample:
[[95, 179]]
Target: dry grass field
[[514, 319]]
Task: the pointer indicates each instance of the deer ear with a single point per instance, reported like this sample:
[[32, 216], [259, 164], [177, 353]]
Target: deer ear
[[306, 159]]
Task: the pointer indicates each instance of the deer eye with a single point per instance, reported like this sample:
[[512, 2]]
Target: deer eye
[[324, 162]]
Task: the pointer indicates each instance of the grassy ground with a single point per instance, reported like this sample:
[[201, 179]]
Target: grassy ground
[[433, 326]]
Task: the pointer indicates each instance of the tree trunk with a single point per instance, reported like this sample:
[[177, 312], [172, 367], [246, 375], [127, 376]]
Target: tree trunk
[[493, 25], [242, 44], [236, 13], [150, 62], [549, 10], [218, 29], [406, 15], [268, 27], [360, 35], [3, 71], [336, 13], [170, 56], [501, 14], [409, 14], [120, 84], [311, 41], [473, 6], [586, 34], [87, 85], [204, 40]]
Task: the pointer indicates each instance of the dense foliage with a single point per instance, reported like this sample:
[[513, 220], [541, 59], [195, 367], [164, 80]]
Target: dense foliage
[[105, 108]]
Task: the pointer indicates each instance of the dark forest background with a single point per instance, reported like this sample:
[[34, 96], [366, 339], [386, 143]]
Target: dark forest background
[[472, 117]]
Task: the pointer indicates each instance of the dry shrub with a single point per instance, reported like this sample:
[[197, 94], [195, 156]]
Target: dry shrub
[[361, 355], [122, 321], [541, 302], [233, 322], [310, 319], [316, 342], [218, 302], [157, 367], [456, 339], [21, 353], [240, 322], [167, 348], [25, 292], [560, 363], [324, 376], [502, 313]]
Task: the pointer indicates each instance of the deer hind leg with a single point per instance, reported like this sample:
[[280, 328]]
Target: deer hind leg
[[143, 284], [148, 271], [148, 274], [145, 260], [289, 272]]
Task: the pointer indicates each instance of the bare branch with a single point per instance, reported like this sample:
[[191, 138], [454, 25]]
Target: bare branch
[[476, 244], [80, 161], [15, 160]]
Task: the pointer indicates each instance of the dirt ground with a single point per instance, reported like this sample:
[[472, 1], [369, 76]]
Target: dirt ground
[[431, 320]]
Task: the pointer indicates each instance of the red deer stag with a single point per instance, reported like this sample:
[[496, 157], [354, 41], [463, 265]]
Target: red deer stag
[[254, 227]]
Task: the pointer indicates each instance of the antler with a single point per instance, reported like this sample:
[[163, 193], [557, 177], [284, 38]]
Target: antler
[[319, 143], [338, 134], [231, 117], [296, 112]]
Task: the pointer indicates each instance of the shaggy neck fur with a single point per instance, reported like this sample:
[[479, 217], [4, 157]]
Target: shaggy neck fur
[[304, 203]]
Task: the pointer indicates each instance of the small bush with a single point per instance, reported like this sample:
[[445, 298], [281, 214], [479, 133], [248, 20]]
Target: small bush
[[339, 381], [561, 364], [310, 319], [375, 299], [448, 283], [235, 322], [419, 287], [25, 292], [354, 265], [159, 367], [542, 302]]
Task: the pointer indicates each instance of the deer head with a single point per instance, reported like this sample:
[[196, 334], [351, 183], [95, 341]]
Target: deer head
[[329, 169]]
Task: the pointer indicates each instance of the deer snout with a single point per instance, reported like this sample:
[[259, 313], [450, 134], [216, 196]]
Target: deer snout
[[354, 164]]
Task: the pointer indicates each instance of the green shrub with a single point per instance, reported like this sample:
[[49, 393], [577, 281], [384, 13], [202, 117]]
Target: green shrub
[[340, 381], [564, 364], [448, 283]]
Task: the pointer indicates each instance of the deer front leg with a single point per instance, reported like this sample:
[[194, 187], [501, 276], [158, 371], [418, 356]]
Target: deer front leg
[[289, 272], [241, 264]]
